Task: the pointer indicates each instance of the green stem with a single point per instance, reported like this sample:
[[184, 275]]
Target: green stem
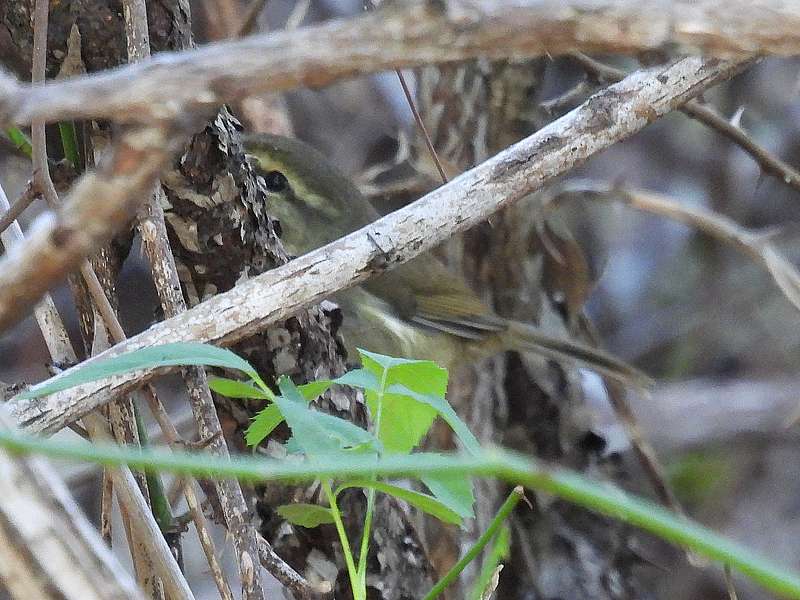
[[497, 553], [159, 504], [348, 553], [513, 499], [515, 468], [20, 140], [262, 385], [365, 535], [365, 532], [69, 142]]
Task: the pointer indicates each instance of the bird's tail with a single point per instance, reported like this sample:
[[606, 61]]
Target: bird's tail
[[527, 338]]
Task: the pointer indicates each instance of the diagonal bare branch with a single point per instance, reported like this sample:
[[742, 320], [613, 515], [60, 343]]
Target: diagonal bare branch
[[606, 118]]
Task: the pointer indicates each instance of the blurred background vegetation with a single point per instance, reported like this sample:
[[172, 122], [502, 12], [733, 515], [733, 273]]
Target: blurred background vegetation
[[701, 317]]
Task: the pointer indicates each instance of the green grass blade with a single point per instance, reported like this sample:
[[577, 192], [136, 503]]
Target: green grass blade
[[167, 355], [508, 466]]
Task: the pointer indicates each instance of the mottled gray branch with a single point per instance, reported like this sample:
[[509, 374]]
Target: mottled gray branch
[[604, 119], [407, 34]]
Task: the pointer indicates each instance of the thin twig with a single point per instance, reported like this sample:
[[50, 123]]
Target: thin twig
[[574, 95], [187, 485], [294, 582], [15, 210], [144, 528], [755, 245], [768, 162], [250, 20], [642, 448], [47, 317], [732, 595], [421, 124]]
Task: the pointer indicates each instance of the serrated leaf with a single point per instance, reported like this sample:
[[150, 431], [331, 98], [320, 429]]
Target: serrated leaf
[[306, 515], [263, 424], [385, 362], [313, 390], [166, 355], [317, 433], [423, 502], [233, 388], [454, 491]]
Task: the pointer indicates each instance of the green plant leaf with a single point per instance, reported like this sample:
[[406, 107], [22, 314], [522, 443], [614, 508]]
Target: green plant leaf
[[356, 378], [360, 378], [404, 420], [423, 502], [233, 388], [454, 491], [177, 354], [263, 424], [317, 433], [388, 362], [315, 389], [305, 515], [444, 410]]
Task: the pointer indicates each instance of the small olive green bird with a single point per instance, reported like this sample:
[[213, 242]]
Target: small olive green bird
[[418, 310]]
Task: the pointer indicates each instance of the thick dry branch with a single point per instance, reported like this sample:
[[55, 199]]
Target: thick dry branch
[[99, 205], [606, 118], [406, 34], [48, 549]]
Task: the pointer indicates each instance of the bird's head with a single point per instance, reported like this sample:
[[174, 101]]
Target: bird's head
[[314, 201]]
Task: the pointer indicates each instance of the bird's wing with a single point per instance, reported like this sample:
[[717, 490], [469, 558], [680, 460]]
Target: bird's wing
[[441, 301], [423, 291]]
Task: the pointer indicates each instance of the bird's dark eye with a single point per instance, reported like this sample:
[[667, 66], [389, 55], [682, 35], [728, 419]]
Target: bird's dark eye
[[276, 181]]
